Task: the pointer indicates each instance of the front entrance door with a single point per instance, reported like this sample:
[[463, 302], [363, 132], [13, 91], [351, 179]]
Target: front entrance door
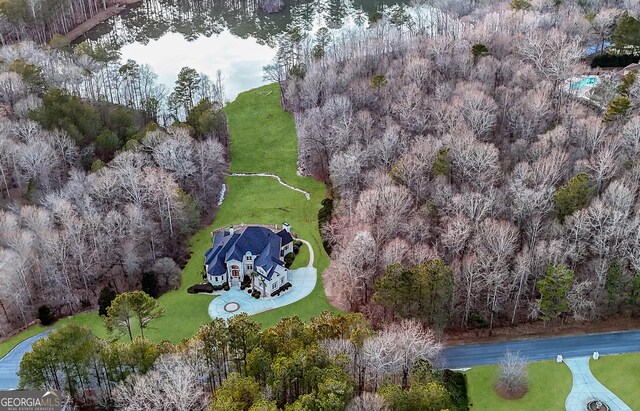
[[235, 276]]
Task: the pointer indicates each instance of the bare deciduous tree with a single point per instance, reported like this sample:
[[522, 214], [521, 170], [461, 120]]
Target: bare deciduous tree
[[513, 375]]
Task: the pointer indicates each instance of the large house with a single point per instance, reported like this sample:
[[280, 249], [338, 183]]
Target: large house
[[255, 252]]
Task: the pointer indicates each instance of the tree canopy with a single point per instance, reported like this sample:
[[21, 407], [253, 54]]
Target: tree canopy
[[422, 291], [553, 289]]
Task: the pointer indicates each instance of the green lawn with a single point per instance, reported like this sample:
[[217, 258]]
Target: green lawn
[[549, 386], [263, 139], [302, 259], [620, 374]]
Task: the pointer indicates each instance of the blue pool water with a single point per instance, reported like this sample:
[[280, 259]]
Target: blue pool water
[[587, 81]]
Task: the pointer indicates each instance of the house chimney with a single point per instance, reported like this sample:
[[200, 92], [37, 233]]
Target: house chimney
[[232, 230], [286, 227]]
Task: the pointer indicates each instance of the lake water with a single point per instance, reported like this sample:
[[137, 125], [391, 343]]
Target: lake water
[[209, 35]]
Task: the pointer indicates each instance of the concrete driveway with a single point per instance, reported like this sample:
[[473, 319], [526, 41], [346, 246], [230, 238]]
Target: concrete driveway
[[10, 363], [460, 356], [587, 388]]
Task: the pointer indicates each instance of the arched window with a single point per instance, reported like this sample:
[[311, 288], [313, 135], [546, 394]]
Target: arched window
[[235, 271]]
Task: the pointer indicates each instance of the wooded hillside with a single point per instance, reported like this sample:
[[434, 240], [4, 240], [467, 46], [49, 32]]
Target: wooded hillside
[[455, 139]]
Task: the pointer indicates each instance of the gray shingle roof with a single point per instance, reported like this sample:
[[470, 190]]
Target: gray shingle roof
[[257, 240], [286, 237]]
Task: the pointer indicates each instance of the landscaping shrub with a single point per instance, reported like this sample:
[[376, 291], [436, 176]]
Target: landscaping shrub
[[614, 60], [296, 249], [104, 300], [282, 289], [456, 384], [201, 288], [226, 287], [45, 315], [288, 259], [150, 284]]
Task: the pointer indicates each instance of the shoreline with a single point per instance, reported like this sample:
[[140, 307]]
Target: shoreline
[[100, 17]]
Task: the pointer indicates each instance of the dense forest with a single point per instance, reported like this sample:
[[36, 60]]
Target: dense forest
[[330, 363], [480, 190], [94, 192]]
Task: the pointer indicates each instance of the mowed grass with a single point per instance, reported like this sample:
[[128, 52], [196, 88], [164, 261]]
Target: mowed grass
[[263, 136], [263, 139], [549, 386], [621, 375]]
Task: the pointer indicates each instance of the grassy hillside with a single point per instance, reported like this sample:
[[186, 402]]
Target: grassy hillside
[[263, 139]]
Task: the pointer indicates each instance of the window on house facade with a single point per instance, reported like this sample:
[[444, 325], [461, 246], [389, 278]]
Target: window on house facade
[[273, 286], [249, 266]]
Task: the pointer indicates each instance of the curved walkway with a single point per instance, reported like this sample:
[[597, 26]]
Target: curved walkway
[[307, 195], [10, 363], [587, 388], [303, 281]]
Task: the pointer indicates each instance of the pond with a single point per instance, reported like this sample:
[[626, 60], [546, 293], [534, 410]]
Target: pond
[[210, 35]]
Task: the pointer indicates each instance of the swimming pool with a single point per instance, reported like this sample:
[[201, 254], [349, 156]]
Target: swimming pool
[[587, 81]]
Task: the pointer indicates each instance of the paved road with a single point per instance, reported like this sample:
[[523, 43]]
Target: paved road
[[460, 356], [10, 363]]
